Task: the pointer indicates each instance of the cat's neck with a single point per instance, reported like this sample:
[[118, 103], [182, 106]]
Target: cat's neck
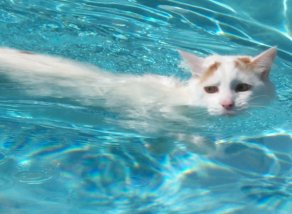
[[192, 92]]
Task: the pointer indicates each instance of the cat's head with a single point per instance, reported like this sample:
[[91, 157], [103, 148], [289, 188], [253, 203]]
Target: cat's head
[[228, 84]]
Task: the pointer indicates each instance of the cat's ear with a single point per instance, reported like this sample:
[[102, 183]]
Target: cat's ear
[[193, 62], [262, 63]]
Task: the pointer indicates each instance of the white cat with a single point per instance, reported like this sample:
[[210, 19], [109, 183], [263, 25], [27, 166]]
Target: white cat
[[221, 84]]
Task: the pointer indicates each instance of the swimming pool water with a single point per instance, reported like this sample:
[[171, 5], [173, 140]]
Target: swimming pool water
[[61, 156]]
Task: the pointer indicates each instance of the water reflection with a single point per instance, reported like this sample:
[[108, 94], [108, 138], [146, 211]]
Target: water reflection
[[158, 174]]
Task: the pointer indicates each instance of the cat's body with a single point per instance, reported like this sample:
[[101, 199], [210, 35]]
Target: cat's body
[[222, 84], [43, 75]]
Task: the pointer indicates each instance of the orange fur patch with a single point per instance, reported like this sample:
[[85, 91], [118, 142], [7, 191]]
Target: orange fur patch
[[210, 71], [243, 63], [245, 60]]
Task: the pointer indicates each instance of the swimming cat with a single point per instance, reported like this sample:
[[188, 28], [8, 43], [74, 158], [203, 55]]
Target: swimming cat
[[221, 84]]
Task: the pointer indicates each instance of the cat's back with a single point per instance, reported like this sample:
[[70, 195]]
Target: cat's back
[[25, 62]]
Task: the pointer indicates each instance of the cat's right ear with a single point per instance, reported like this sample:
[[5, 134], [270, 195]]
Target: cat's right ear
[[262, 63], [192, 62]]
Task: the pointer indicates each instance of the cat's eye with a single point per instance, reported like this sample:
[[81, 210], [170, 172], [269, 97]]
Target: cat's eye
[[211, 89], [241, 87]]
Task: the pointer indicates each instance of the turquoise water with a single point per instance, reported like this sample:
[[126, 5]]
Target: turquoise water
[[61, 156]]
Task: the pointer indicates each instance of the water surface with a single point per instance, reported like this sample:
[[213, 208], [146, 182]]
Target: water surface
[[61, 156]]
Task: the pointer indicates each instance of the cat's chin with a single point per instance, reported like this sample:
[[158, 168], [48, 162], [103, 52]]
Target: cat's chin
[[223, 112], [229, 113]]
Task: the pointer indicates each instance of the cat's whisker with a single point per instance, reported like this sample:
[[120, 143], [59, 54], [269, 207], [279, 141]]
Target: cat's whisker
[[257, 106], [241, 108], [259, 96], [247, 112]]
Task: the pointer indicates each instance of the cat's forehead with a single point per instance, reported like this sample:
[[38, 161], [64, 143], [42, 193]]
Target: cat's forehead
[[226, 60], [226, 67]]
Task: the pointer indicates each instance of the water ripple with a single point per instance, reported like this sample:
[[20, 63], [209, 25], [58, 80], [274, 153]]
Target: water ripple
[[132, 17], [33, 177]]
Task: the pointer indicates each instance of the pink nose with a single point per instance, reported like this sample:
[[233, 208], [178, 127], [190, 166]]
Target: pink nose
[[228, 105]]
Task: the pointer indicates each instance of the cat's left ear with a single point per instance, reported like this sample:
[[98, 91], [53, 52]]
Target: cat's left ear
[[193, 62], [262, 63]]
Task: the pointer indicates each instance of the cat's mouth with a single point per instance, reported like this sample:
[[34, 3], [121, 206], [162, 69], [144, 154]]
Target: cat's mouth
[[234, 111]]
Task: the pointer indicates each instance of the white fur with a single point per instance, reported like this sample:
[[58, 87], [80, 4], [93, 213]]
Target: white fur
[[43, 75]]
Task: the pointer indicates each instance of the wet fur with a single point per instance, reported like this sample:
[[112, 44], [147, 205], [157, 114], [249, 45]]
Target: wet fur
[[44, 75]]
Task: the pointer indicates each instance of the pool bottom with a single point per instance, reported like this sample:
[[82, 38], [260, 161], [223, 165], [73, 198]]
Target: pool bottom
[[50, 169]]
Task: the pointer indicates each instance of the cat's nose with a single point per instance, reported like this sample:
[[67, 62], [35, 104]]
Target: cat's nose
[[228, 105]]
